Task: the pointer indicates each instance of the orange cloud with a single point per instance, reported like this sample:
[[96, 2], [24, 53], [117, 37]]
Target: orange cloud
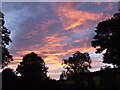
[[83, 49], [27, 51], [17, 58], [54, 38], [72, 17]]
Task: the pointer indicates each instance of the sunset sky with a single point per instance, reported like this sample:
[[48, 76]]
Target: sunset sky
[[55, 30]]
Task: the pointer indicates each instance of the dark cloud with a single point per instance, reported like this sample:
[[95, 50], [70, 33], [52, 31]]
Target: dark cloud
[[95, 7]]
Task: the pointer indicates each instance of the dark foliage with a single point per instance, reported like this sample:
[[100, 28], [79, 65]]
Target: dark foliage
[[8, 74], [4, 40], [9, 78], [109, 78], [78, 63], [32, 66], [107, 38]]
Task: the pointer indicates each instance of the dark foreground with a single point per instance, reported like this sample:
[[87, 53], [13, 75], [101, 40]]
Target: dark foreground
[[101, 79]]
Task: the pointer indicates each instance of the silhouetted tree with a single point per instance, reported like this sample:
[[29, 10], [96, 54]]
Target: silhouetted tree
[[32, 66], [4, 40], [9, 79], [107, 38], [78, 63], [8, 74]]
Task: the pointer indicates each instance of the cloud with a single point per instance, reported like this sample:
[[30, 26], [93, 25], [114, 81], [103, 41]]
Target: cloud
[[71, 17]]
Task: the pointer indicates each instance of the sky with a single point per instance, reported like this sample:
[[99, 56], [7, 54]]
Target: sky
[[55, 30]]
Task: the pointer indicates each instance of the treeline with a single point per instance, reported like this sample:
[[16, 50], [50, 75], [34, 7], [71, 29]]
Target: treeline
[[109, 78]]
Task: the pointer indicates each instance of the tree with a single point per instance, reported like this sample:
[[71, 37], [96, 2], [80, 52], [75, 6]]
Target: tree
[[107, 38], [32, 66], [8, 74], [78, 63], [4, 41]]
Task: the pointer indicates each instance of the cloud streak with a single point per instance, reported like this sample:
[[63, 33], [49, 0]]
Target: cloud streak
[[71, 17]]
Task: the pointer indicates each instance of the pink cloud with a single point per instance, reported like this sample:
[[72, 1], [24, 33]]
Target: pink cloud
[[70, 17]]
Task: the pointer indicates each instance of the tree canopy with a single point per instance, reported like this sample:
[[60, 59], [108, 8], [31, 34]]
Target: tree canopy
[[107, 38], [4, 41], [78, 63], [32, 66], [8, 74]]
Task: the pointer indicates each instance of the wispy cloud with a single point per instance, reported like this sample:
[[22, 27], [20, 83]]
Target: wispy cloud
[[71, 17]]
